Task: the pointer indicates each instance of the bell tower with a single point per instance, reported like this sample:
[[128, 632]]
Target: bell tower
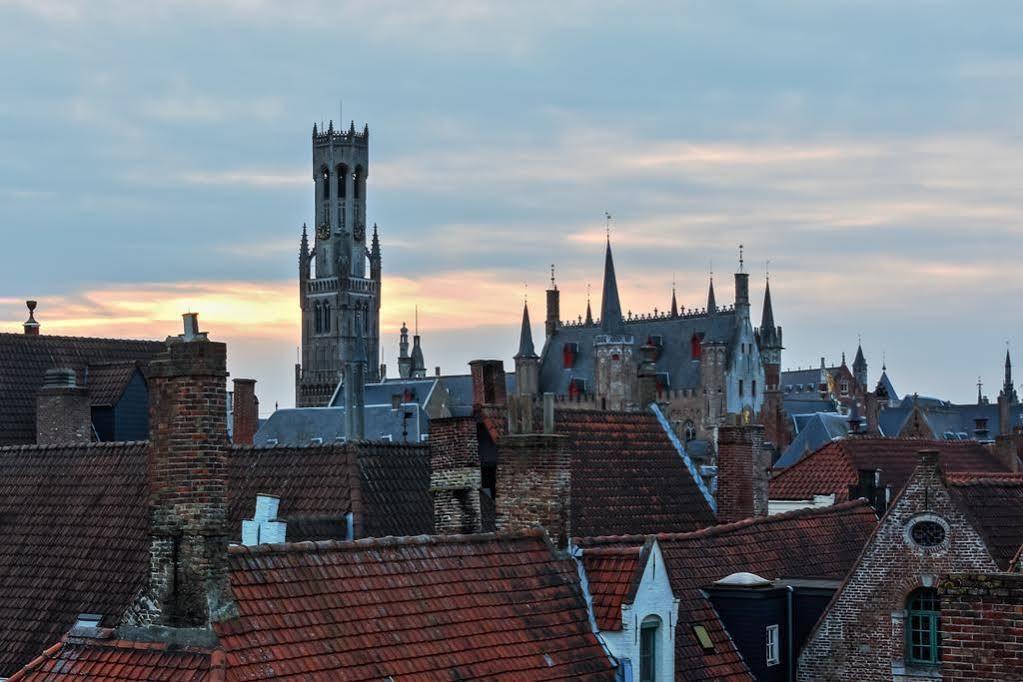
[[339, 277]]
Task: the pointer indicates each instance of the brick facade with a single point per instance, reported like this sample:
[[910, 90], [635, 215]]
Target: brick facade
[[63, 414], [188, 457], [488, 383], [534, 472], [982, 627], [455, 475], [862, 636], [246, 411]]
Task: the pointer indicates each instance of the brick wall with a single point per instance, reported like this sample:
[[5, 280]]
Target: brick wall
[[63, 415], [187, 487], [488, 384], [534, 484], [742, 473], [455, 475], [246, 411], [982, 627], [861, 636]]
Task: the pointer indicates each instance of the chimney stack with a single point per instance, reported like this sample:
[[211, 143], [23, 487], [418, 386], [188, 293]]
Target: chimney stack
[[742, 477], [63, 412], [188, 453], [246, 411], [488, 383], [30, 325]]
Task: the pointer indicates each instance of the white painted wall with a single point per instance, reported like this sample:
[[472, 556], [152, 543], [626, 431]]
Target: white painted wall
[[653, 598], [780, 506]]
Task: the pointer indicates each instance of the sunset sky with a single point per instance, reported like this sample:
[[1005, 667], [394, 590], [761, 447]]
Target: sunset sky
[[155, 159]]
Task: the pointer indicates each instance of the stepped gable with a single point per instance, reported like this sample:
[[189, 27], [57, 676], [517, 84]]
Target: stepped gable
[[994, 506], [386, 486], [627, 476], [75, 523], [24, 359], [834, 467], [104, 657], [818, 544], [402, 607]]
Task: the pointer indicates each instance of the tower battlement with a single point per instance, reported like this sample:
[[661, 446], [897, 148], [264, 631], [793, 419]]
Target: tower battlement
[[340, 136]]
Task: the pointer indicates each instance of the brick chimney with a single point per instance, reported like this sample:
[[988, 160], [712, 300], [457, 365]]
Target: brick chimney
[[188, 453], [534, 483], [1004, 416], [488, 384], [873, 409], [30, 325], [1007, 449], [742, 483], [246, 411], [63, 413], [455, 478]]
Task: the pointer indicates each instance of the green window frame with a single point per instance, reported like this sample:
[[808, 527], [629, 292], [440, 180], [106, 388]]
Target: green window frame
[[923, 627], [648, 632]]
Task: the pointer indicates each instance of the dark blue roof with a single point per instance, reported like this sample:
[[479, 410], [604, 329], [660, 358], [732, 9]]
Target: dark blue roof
[[817, 430], [302, 426]]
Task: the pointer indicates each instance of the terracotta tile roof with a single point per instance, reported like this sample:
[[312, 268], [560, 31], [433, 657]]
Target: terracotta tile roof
[[819, 543], [627, 476], [994, 505], [111, 660], [385, 485], [24, 360], [612, 574], [106, 381], [75, 526], [833, 468], [403, 607]]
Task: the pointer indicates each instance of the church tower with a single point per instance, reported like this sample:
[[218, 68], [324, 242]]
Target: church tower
[[339, 277]]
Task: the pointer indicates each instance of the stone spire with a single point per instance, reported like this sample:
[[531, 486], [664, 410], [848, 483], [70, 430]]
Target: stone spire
[[674, 302], [712, 306], [418, 363], [1008, 390], [589, 311], [404, 359], [610, 305], [767, 318], [374, 256], [526, 349], [859, 366]]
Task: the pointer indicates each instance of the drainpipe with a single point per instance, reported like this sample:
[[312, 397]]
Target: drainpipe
[[791, 646]]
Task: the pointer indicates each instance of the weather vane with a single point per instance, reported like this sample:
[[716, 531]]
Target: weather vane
[[607, 225]]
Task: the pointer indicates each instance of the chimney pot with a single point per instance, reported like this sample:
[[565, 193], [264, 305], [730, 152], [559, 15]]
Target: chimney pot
[[31, 326], [191, 321]]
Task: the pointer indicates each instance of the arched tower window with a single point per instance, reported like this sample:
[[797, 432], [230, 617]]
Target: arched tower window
[[318, 315], [649, 633], [326, 318], [689, 431], [325, 177], [342, 181], [359, 180], [923, 614]]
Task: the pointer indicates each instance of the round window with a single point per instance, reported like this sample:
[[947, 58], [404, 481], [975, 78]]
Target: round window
[[928, 533]]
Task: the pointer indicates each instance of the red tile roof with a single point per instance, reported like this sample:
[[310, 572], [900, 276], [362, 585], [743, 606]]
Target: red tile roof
[[819, 543], [833, 468], [994, 505], [490, 606], [627, 476], [113, 660], [612, 574], [24, 360]]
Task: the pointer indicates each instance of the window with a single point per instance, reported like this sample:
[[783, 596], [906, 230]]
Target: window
[[326, 317], [772, 645], [740, 388], [319, 317], [927, 533], [922, 627], [342, 181], [648, 649], [703, 638], [753, 388], [845, 388], [689, 431]]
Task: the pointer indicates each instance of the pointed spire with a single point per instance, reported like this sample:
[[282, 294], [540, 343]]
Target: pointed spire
[[314, 130], [859, 360], [304, 244], [674, 301], [712, 306], [767, 319], [526, 348], [589, 311], [610, 305]]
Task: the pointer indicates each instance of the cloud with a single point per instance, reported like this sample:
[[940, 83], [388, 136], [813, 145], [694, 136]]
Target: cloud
[[246, 177]]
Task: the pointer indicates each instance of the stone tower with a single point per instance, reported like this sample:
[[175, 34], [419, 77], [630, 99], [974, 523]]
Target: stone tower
[[860, 367], [339, 277], [614, 367]]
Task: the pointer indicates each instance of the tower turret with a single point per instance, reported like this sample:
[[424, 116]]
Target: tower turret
[[712, 306], [527, 363], [859, 367], [770, 342], [674, 302], [553, 320], [418, 367], [1008, 389], [404, 359], [375, 256]]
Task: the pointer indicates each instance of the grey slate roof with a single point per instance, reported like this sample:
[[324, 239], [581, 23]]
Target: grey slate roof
[[460, 392], [675, 358], [816, 430], [300, 426], [886, 383]]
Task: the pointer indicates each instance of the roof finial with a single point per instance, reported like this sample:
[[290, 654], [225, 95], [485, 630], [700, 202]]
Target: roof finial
[[884, 361], [607, 226], [587, 293], [525, 292], [417, 320], [767, 270], [740, 258], [554, 286]]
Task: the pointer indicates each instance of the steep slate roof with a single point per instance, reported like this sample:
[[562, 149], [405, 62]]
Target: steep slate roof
[[627, 476], [944, 416], [818, 544], [386, 486], [675, 357], [994, 505], [815, 431], [402, 607], [834, 467], [612, 576], [24, 360], [107, 381], [75, 525], [298, 426], [110, 659], [75, 520]]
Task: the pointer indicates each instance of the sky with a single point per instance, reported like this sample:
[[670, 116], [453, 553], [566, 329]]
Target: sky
[[155, 158]]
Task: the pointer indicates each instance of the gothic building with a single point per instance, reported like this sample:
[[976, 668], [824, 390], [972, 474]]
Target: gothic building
[[702, 364], [339, 276]]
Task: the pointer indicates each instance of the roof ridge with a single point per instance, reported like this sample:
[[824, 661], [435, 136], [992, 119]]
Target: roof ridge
[[22, 335], [95, 445], [721, 528], [968, 478], [387, 541]]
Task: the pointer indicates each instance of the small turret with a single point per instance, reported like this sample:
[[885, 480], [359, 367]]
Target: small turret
[[527, 363], [859, 367], [674, 302], [1008, 389], [404, 359], [712, 306], [553, 322], [589, 310], [375, 256], [418, 366]]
